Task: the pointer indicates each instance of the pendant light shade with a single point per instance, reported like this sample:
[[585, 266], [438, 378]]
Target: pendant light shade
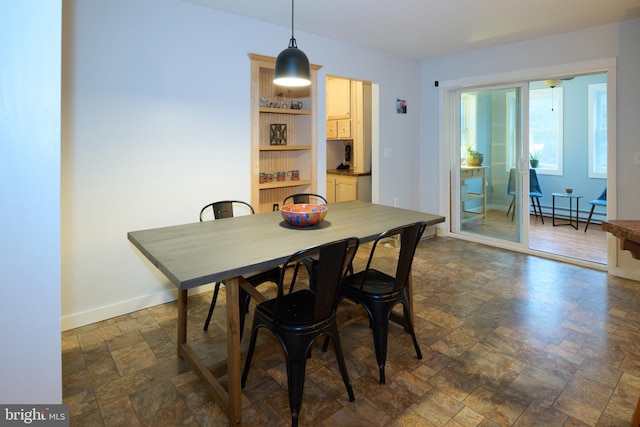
[[292, 65]]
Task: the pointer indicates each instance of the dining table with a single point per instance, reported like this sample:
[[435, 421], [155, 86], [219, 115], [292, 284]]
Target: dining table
[[200, 253]]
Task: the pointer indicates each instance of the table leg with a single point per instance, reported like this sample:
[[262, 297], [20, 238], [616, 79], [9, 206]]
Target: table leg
[[234, 365], [229, 400], [182, 320], [570, 211], [636, 416], [553, 211]]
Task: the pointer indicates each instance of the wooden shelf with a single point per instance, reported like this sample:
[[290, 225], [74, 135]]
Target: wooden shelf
[[283, 184], [473, 196], [284, 147], [285, 111]]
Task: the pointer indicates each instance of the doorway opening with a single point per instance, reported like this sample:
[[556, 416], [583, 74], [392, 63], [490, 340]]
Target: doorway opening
[[568, 138], [495, 201], [349, 130]]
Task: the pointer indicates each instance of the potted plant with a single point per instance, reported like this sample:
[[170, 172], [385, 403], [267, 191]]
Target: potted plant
[[474, 158], [534, 158]]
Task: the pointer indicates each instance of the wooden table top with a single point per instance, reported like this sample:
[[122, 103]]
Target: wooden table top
[[623, 229], [195, 254]]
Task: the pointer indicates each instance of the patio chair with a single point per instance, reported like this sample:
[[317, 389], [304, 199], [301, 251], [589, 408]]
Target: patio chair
[[600, 201], [534, 192]]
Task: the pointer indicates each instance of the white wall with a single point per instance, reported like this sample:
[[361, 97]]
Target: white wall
[[620, 41], [30, 360], [156, 124]]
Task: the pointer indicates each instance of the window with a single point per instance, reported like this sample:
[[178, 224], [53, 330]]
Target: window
[[598, 130], [468, 119], [545, 128], [511, 128]]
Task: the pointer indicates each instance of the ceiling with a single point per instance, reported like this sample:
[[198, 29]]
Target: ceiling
[[425, 29]]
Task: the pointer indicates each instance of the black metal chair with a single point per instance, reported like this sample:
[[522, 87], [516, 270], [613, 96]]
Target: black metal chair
[[305, 198], [225, 209], [534, 192], [600, 201], [379, 292], [298, 198], [299, 318]]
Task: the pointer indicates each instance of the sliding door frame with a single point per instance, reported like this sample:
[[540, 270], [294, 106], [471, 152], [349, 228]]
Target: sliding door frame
[[448, 89], [520, 238]]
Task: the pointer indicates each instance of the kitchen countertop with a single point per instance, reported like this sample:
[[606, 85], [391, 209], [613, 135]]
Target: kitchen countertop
[[628, 231], [348, 172]]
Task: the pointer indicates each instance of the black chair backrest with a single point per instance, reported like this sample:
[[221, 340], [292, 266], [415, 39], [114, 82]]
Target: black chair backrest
[[333, 261], [224, 209], [409, 238], [304, 198]]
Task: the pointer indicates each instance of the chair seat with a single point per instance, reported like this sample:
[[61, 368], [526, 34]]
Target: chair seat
[[599, 202], [531, 193], [295, 309], [377, 283]]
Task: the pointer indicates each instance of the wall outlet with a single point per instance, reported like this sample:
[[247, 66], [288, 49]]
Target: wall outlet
[[636, 157], [396, 202]]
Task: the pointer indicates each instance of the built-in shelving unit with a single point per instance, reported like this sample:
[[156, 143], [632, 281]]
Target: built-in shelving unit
[[300, 151]]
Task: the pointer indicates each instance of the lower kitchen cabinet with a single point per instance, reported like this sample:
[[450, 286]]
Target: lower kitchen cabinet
[[342, 187]]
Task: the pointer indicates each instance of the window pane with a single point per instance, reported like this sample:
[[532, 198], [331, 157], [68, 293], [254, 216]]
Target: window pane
[[545, 128], [598, 130]]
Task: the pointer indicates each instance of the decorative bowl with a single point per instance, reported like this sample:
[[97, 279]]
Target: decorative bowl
[[569, 190], [303, 214]]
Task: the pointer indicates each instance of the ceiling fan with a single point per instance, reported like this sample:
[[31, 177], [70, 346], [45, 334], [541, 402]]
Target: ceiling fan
[[555, 82]]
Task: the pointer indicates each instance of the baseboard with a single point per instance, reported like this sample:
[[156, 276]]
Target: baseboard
[[129, 306], [561, 213], [625, 273], [429, 232]]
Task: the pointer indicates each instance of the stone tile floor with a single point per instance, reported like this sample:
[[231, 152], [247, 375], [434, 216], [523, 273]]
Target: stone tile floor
[[507, 340]]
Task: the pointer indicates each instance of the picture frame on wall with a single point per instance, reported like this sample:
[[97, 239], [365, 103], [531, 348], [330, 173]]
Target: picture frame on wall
[[401, 106], [278, 134]]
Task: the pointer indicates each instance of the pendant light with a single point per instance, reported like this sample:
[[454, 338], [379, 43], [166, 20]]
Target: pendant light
[[292, 65]]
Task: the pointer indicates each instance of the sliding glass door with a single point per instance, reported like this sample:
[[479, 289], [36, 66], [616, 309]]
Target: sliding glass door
[[489, 168]]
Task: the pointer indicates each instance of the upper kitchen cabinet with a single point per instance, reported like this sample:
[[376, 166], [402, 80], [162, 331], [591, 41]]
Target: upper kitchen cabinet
[[349, 119], [338, 98], [283, 138]]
